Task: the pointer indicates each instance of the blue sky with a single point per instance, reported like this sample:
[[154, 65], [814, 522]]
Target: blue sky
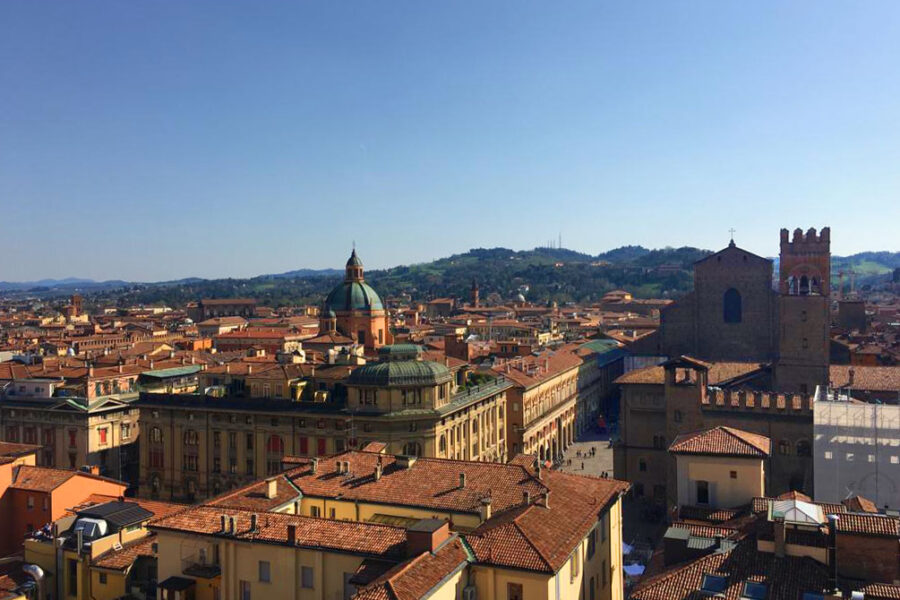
[[157, 140]]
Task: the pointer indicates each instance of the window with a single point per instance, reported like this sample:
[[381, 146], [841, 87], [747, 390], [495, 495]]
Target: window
[[306, 577], [603, 574], [803, 448], [72, 435], [304, 445], [642, 466], [250, 466], [576, 556], [702, 492], [513, 591], [156, 458], [314, 511], [190, 462], [639, 490], [72, 576], [731, 306], [713, 584], [249, 441], [265, 575], [850, 457], [733, 474], [30, 502], [103, 433], [125, 431], [245, 590], [332, 513], [217, 439], [828, 455], [754, 591], [784, 447], [155, 435], [103, 578], [592, 544]]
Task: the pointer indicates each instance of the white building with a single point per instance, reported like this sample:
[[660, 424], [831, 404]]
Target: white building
[[857, 451]]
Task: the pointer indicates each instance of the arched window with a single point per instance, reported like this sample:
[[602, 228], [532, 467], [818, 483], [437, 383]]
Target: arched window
[[803, 448], [442, 444], [731, 306], [804, 285], [412, 449]]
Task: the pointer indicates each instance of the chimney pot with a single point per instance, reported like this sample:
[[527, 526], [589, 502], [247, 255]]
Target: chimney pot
[[271, 487], [462, 480]]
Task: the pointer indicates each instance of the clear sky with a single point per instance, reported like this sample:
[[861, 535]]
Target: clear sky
[[156, 140]]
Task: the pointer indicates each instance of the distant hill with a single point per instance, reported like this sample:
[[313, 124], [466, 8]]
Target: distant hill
[[541, 275]]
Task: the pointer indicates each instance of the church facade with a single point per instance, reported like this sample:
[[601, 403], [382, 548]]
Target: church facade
[[742, 349]]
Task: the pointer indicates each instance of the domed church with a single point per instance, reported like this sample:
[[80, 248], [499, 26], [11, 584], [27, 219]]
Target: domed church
[[354, 309]]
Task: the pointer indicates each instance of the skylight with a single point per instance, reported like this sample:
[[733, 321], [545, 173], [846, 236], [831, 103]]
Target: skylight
[[713, 584], [754, 591]]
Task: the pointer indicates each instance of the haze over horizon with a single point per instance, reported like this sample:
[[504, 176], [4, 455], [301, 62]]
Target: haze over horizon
[[157, 141]]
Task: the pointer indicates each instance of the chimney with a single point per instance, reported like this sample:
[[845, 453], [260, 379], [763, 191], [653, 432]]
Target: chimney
[[526, 497], [339, 467], [314, 465], [292, 535], [462, 481], [249, 369], [378, 471], [151, 364], [120, 367], [223, 523], [271, 487], [547, 499], [779, 538], [485, 508], [253, 522], [228, 368], [426, 535], [90, 370]]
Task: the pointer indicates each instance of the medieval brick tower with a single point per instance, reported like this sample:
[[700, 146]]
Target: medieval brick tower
[[804, 286], [474, 294]]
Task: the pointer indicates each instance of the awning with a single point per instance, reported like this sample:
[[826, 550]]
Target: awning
[[177, 584]]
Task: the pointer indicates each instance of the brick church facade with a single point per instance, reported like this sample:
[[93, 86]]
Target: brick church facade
[[736, 351]]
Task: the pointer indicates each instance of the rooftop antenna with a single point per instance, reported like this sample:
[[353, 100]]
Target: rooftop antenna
[[560, 240]]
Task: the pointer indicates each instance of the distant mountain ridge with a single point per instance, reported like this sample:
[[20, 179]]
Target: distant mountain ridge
[[540, 274]]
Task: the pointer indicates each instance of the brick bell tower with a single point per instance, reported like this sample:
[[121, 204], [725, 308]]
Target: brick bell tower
[[804, 286]]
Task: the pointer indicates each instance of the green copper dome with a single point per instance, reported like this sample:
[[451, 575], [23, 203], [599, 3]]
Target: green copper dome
[[401, 373], [353, 295]]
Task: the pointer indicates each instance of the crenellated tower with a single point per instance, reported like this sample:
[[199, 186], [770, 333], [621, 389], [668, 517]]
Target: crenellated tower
[[804, 285]]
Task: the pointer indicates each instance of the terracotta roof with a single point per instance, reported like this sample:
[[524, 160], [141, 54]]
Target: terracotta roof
[[430, 482], [539, 538], [253, 496], [40, 479], [709, 515], [725, 441], [881, 591], [866, 378], [868, 524], [786, 578], [719, 372], [414, 579], [706, 530], [760, 504], [544, 367], [859, 504], [11, 450], [121, 560], [344, 536]]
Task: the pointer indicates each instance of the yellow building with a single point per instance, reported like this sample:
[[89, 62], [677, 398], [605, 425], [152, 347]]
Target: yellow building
[[372, 526], [101, 551], [417, 408], [720, 467]]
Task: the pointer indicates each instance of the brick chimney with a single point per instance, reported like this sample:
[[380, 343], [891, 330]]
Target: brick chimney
[[292, 535], [426, 536], [271, 487]]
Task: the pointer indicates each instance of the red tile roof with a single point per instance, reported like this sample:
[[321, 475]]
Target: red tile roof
[[343, 536], [868, 524], [253, 496], [723, 441], [719, 372], [122, 559], [414, 579], [430, 482], [786, 578], [539, 538]]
